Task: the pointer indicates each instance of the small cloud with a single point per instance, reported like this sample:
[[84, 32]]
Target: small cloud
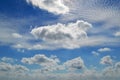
[[6, 59], [16, 35], [104, 49], [117, 34], [106, 60], [95, 53]]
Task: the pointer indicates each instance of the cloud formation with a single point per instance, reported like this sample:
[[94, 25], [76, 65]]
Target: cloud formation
[[6, 67], [61, 35], [53, 6], [104, 49], [21, 72], [41, 60], [76, 64], [106, 60], [16, 35]]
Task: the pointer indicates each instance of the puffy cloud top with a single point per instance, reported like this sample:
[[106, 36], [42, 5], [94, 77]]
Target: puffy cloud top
[[54, 6], [61, 35], [72, 31], [106, 60], [76, 63], [6, 67], [41, 60]]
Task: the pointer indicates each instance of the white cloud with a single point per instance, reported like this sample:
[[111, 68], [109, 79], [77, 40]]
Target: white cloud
[[76, 63], [16, 35], [117, 66], [61, 35], [106, 60], [60, 32], [6, 59], [117, 34], [6, 67], [104, 49], [20, 72], [54, 6], [41, 60], [95, 53]]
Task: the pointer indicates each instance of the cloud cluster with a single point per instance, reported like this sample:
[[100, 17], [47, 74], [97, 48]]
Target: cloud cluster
[[107, 60], [111, 72], [53, 6], [6, 67], [100, 50]]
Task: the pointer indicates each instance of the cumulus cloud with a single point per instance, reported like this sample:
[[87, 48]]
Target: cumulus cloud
[[61, 35], [6, 67], [60, 32], [76, 63], [53, 6], [41, 60], [104, 49], [106, 60], [20, 72]]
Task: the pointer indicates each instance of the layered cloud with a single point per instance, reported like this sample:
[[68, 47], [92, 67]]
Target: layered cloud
[[53, 6]]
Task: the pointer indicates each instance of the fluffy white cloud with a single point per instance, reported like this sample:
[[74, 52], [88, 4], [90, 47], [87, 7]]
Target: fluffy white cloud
[[104, 49], [6, 67], [106, 60], [60, 32], [16, 35], [20, 72], [76, 63], [54, 6], [61, 35], [41, 60]]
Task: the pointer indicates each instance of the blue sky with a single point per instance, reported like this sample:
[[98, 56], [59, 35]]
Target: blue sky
[[59, 39]]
